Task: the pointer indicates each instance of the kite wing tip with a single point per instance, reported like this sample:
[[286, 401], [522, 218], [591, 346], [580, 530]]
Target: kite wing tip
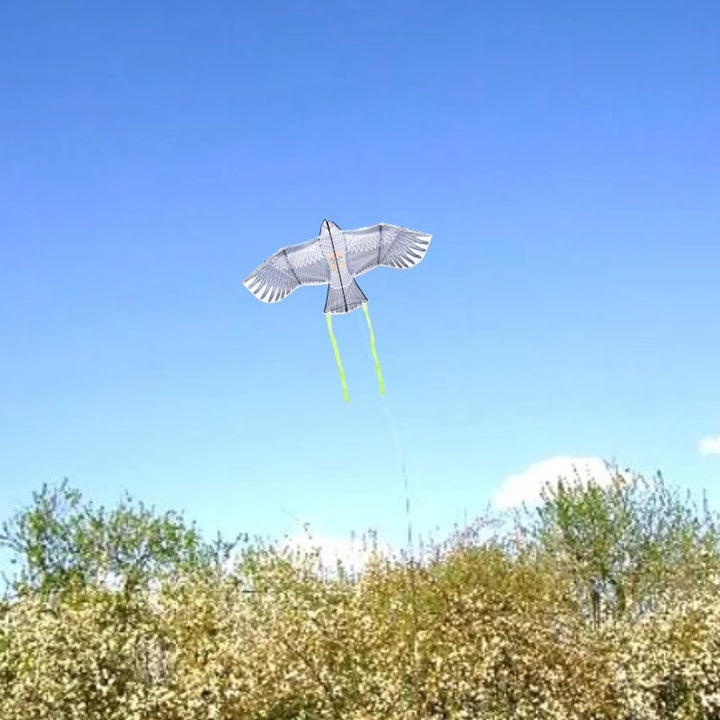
[[250, 283], [247, 282]]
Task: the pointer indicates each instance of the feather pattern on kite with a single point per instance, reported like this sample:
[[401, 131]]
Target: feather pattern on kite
[[384, 245], [335, 258], [288, 269]]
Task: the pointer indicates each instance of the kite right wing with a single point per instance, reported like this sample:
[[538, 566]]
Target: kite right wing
[[386, 245], [288, 269]]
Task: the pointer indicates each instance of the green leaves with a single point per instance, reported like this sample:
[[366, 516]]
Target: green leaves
[[63, 544], [627, 543]]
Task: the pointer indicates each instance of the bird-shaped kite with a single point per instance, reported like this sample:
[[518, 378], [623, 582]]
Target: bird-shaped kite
[[335, 258]]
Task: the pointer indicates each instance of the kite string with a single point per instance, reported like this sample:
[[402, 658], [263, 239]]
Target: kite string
[[411, 553], [373, 349], [328, 317], [396, 439], [408, 518]]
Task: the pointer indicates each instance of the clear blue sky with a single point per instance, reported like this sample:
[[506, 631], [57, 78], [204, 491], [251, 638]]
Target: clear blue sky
[[564, 155]]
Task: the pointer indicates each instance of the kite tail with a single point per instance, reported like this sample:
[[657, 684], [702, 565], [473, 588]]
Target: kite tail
[[328, 316], [374, 351]]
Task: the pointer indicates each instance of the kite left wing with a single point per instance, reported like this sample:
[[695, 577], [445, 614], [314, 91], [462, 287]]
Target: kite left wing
[[386, 245]]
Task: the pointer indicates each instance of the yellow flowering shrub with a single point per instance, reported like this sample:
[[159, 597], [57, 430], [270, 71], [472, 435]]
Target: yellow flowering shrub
[[473, 634], [608, 612]]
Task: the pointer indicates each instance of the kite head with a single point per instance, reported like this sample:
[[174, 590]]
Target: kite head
[[327, 226]]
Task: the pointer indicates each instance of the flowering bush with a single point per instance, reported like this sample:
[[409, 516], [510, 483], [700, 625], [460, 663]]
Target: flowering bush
[[475, 630], [474, 635]]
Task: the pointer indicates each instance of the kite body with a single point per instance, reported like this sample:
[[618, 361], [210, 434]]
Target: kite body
[[344, 294], [335, 258]]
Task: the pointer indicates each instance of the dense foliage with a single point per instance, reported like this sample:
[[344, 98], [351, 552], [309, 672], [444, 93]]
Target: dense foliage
[[599, 605]]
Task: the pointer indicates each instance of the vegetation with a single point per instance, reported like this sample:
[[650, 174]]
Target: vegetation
[[63, 544], [600, 604]]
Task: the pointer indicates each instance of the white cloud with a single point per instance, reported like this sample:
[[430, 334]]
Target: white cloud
[[525, 486], [710, 445]]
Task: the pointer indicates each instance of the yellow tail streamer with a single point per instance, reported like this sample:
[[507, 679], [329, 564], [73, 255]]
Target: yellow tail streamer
[[374, 351], [328, 316]]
